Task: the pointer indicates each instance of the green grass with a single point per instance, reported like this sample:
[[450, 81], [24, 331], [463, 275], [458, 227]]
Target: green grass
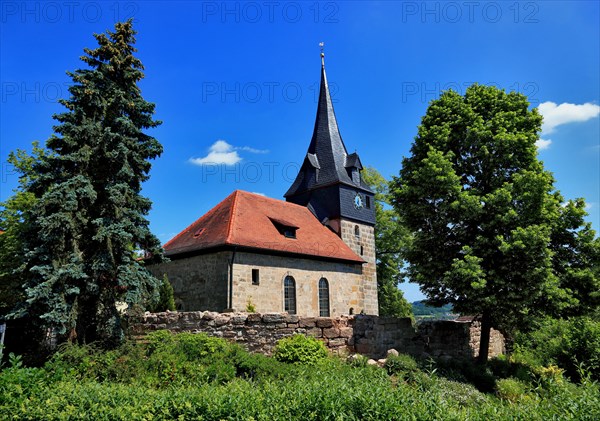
[[195, 377]]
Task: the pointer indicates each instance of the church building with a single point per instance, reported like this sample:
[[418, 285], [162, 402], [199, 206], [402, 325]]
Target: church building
[[312, 254]]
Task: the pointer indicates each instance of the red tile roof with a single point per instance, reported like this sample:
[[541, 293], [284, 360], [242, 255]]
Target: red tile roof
[[247, 220]]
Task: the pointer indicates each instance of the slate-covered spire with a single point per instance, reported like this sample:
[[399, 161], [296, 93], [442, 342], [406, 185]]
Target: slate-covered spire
[[326, 161]]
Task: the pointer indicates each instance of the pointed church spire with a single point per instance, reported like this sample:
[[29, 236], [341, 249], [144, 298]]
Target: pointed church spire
[[327, 161]]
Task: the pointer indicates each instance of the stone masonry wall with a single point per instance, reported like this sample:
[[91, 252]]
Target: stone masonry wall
[[364, 246], [345, 284], [367, 335], [199, 282]]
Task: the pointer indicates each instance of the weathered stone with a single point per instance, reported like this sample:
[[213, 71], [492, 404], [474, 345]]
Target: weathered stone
[[315, 331], [331, 332], [273, 318], [222, 320], [239, 319], [292, 318], [392, 352], [346, 332], [324, 322], [337, 342], [209, 315], [307, 322], [372, 362], [254, 317]]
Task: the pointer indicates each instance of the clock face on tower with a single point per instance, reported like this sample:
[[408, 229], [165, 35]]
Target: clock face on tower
[[358, 202]]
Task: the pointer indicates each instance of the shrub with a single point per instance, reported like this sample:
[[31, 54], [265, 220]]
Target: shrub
[[300, 349], [461, 394], [511, 389], [400, 364], [565, 343], [257, 366], [166, 298]]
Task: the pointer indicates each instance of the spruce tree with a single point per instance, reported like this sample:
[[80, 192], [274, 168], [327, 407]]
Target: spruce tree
[[89, 224]]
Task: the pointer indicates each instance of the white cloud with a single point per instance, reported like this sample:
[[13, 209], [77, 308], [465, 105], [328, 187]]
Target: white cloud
[[556, 115], [251, 150], [222, 152], [543, 144], [220, 146], [259, 193]]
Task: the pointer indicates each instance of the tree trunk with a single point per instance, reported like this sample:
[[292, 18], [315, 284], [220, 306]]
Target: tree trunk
[[484, 339]]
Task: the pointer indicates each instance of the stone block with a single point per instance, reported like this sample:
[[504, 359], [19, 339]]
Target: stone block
[[254, 317], [337, 342], [292, 318], [392, 352], [346, 332], [323, 322], [222, 320], [331, 332], [273, 318], [315, 331], [307, 322], [239, 319], [209, 315]]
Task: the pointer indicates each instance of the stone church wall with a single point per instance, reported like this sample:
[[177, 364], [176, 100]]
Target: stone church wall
[[367, 335], [199, 282], [346, 288]]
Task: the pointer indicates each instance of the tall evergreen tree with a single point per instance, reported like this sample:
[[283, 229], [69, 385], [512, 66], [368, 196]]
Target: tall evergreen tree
[[90, 218], [391, 239], [481, 208]]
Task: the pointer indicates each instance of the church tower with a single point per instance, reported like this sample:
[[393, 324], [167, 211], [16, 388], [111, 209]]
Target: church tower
[[329, 183]]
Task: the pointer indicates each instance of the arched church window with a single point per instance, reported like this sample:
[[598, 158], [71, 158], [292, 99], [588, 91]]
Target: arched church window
[[356, 231], [323, 297], [289, 295]]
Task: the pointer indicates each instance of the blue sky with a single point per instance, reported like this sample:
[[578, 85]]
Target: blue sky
[[235, 84]]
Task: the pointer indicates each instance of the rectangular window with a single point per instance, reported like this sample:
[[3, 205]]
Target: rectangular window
[[289, 295], [368, 202], [255, 277], [323, 298]]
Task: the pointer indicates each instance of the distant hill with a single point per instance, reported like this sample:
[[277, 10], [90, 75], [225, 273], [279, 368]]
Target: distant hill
[[424, 311]]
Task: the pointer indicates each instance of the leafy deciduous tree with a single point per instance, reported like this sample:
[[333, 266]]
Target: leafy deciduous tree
[[480, 207]]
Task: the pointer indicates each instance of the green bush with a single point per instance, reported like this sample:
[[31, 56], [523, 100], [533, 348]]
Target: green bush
[[511, 389], [565, 343], [257, 366], [300, 349], [400, 364]]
